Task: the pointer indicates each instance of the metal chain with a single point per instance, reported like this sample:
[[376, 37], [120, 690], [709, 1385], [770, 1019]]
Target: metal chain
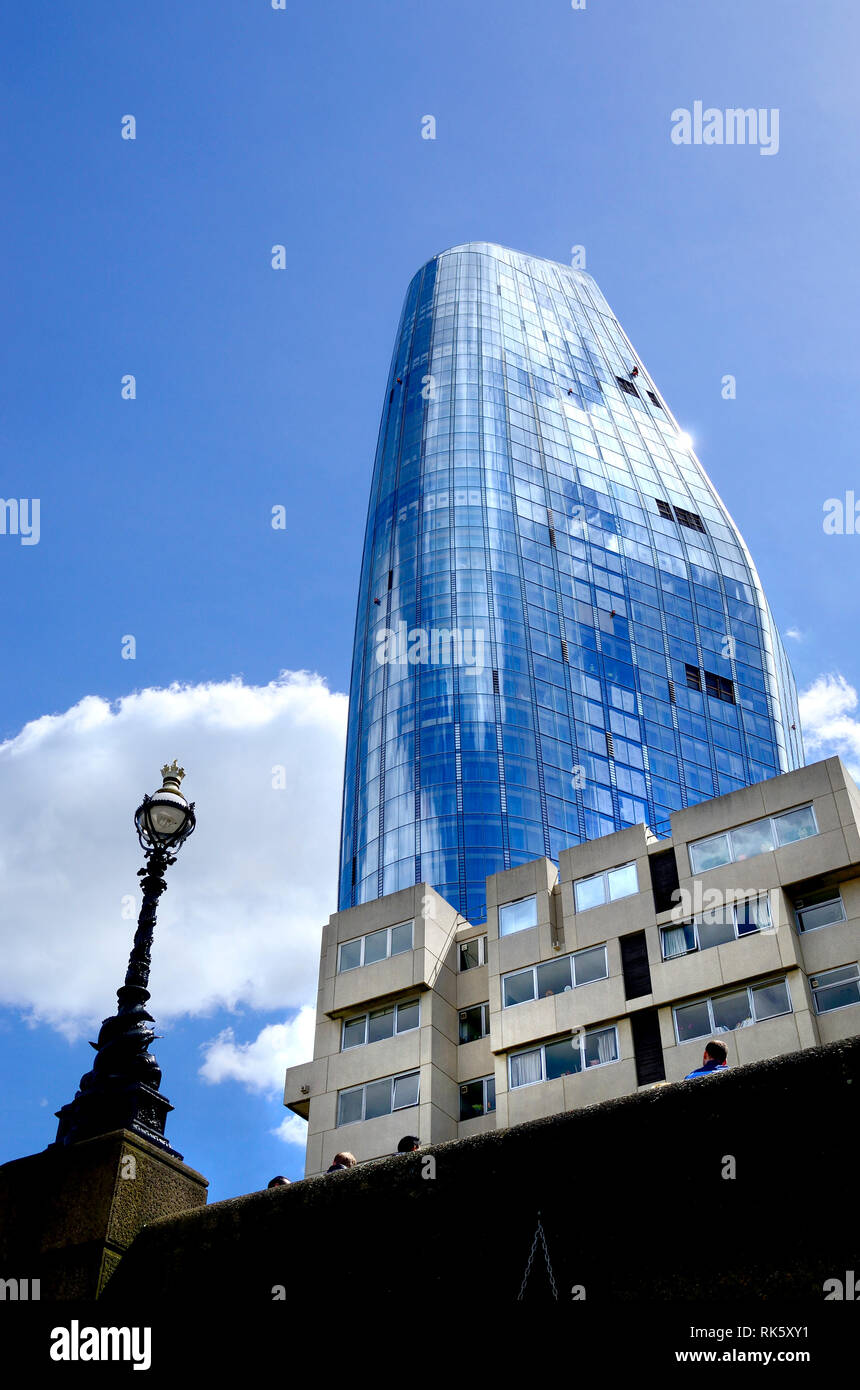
[[539, 1236]]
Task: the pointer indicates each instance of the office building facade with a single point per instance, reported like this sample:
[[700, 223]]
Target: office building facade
[[560, 632], [593, 980]]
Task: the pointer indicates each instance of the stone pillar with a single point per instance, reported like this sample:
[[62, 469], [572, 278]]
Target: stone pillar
[[68, 1214]]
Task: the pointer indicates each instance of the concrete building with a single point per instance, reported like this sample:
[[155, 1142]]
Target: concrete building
[[593, 980]]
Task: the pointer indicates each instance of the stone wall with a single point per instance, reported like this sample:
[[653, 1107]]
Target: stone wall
[[631, 1193], [67, 1214]]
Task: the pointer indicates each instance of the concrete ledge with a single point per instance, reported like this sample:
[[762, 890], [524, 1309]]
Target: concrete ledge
[[631, 1192]]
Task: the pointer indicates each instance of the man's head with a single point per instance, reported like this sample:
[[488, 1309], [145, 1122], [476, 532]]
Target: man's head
[[279, 1181], [345, 1160], [408, 1144], [715, 1051]]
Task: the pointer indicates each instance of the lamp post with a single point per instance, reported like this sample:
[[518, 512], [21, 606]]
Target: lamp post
[[121, 1091]]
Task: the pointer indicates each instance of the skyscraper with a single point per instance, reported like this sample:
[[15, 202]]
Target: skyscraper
[[560, 631]]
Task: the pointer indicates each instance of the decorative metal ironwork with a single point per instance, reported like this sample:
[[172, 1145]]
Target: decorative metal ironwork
[[121, 1091]]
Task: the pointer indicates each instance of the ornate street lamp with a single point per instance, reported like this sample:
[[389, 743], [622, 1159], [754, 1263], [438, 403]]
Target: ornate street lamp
[[121, 1091]]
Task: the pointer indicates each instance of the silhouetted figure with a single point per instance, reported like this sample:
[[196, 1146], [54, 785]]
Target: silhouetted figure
[[279, 1181], [714, 1059], [408, 1144]]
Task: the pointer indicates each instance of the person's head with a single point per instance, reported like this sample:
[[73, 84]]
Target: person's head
[[345, 1160], [279, 1181], [715, 1051], [408, 1144]]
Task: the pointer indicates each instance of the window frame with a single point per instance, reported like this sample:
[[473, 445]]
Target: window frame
[[482, 953], [694, 922], [366, 1015], [691, 520], [485, 1082], [542, 1046], [798, 911], [363, 939], [571, 956], [485, 1022], [604, 874], [815, 990], [397, 1076], [724, 993], [529, 897], [746, 825]]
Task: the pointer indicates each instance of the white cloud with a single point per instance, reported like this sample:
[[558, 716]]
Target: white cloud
[[293, 1130], [826, 712], [240, 921], [794, 633], [260, 1065]]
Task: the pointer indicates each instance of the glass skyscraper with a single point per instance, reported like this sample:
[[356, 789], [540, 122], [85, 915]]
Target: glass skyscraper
[[560, 631]]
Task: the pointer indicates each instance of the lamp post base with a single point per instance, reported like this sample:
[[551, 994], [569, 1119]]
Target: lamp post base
[[116, 1105]]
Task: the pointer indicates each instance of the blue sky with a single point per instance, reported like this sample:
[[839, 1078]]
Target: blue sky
[[258, 387]]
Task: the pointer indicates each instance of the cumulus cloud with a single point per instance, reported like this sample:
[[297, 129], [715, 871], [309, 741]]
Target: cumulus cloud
[[240, 922], [293, 1130], [829, 726], [794, 633], [260, 1065]]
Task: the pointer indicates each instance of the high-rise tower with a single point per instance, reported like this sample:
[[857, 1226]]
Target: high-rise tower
[[560, 631]]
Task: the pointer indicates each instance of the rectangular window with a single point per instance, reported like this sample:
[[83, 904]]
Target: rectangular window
[[731, 1011], [750, 840], [689, 519], [795, 825], [835, 989], [820, 908], [473, 953], [474, 1023], [654, 401], [354, 1032], [477, 1097], [716, 927], [405, 1091], [377, 1098], [517, 916], [377, 945], [710, 853], [627, 386], [738, 1008], [719, 687], [381, 1024], [757, 837], [408, 1016], [694, 676], [350, 955], [664, 509], [554, 976], [563, 1057], [606, 887]]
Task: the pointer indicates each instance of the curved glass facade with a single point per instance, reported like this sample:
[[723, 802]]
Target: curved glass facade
[[560, 631]]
